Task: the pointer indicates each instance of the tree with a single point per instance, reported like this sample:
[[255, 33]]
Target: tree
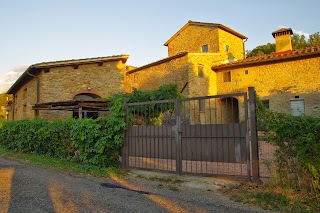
[[3, 101], [298, 42], [262, 49], [314, 39]]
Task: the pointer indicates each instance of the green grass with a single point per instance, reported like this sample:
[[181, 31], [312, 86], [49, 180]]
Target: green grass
[[272, 198], [60, 164]]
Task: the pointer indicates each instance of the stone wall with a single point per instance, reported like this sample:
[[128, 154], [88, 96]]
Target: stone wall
[[23, 101], [192, 38], [63, 83], [174, 71], [279, 83], [235, 46]]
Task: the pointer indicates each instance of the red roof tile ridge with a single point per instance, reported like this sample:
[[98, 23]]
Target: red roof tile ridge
[[274, 56]]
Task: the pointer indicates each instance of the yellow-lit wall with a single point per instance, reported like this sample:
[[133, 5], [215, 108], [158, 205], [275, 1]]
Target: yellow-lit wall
[[278, 83], [283, 43], [192, 38], [236, 46], [174, 71], [23, 101], [63, 83]]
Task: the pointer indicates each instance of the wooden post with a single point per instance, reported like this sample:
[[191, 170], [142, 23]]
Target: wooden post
[[254, 135], [178, 137], [80, 112]]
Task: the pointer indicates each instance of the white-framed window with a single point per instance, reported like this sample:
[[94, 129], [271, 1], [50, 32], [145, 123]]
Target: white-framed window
[[297, 107], [205, 48]]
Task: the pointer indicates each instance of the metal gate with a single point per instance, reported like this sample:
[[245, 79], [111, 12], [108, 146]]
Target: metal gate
[[202, 135]]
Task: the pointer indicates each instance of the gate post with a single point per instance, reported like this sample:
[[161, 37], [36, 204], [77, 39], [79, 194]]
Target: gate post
[[254, 135], [125, 146], [178, 137]]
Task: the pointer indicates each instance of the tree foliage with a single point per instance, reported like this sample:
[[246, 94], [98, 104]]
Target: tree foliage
[[298, 42], [3, 101]]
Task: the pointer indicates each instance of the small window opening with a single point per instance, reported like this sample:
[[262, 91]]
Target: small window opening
[[227, 76], [227, 48], [297, 96], [266, 103], [25, 92], [200, 71], [205, 48], [246, 72]]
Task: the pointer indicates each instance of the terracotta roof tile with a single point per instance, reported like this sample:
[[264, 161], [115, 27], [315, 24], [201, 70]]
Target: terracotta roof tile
[[273, 57], [83, 60], [31, 70], [282, 30], [179, 55], [207, 24]]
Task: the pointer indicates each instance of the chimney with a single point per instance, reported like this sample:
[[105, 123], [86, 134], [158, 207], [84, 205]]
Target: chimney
[[283, 40]]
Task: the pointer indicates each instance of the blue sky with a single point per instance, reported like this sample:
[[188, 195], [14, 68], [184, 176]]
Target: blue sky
[[34, 31]]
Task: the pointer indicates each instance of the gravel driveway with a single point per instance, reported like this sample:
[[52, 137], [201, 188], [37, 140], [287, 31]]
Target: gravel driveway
[[26, 188]]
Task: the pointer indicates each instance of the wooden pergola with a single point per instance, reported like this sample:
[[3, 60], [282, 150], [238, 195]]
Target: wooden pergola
[[74, 105]]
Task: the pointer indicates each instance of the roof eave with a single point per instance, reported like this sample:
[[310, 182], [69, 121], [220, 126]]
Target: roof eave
[[17, 83], [221, 26], [21, 80], [269, 60]]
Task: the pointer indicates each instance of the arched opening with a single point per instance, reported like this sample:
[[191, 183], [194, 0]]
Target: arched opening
[[230, 109], [86, 113], [85, 97]]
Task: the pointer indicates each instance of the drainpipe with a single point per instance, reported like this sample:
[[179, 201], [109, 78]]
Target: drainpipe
[[244, 49], [38, 90]]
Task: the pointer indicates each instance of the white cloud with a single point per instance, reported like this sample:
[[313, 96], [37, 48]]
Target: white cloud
[[10, 77], [299, 32]]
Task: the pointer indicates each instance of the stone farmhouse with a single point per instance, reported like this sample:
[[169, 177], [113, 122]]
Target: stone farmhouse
[[204, 59]]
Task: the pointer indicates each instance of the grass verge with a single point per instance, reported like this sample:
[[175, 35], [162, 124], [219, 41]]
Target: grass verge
[[272, 198], [61, 164]]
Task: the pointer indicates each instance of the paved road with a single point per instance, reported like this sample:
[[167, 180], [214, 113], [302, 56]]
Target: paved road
[[26, 188]]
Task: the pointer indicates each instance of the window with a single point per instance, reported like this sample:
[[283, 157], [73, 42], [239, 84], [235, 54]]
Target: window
[[227, 76], [24, 110], [246, 72], [86, 114], [205, 48], [201, 105], [200, 71], [25, 92], [227, 48], [266, 103], [297, 107]]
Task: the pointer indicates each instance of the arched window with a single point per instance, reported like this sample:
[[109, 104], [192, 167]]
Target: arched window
[[86, 113], [230, 110]]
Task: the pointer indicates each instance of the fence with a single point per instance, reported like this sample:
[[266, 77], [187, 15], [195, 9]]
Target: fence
[[203, 135]]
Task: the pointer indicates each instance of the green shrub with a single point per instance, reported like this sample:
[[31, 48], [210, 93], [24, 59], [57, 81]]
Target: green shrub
[[298, 141], [93, 142]]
